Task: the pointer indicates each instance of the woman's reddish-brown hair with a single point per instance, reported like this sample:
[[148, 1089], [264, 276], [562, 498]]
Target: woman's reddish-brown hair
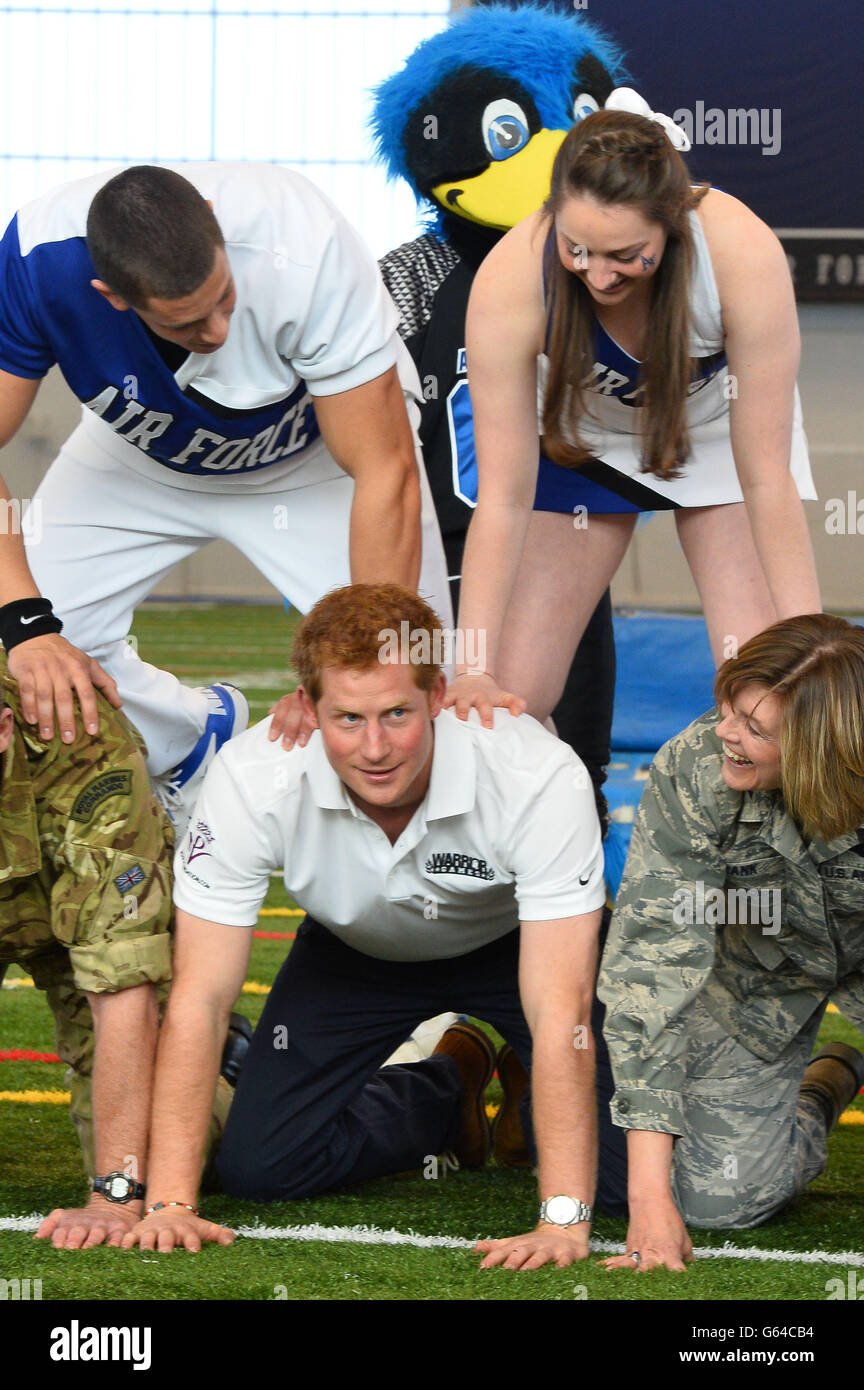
[[815, 664]]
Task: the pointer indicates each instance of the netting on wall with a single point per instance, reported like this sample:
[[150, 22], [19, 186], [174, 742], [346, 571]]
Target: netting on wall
[[84, 87]]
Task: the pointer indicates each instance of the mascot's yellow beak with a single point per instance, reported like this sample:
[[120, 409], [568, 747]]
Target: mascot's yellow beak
[[509, 189]]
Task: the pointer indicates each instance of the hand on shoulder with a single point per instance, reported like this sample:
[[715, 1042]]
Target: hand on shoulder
[[480, 691]]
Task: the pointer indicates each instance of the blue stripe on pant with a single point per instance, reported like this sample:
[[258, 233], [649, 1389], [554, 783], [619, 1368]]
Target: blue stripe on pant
[[316, 1113]]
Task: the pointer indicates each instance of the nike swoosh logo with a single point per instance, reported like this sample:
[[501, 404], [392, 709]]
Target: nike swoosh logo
[[35, 618], [583, 881]]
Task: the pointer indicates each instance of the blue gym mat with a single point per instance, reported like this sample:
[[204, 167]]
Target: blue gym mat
[[665, 678], [665, 674]]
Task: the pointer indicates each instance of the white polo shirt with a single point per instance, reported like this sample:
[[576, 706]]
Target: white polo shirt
[[507, 832]]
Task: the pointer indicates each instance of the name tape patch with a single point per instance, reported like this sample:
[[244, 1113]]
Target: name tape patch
[[97, 791]]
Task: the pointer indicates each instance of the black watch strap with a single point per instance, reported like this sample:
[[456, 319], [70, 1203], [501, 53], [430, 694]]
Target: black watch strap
[[119, 1187]]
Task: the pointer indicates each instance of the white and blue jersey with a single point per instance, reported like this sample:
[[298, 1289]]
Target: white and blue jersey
[[594, 485], [611, 427], [312, 318]]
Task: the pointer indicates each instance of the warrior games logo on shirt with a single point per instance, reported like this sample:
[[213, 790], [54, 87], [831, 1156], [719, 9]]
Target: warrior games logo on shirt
[[468, 864]]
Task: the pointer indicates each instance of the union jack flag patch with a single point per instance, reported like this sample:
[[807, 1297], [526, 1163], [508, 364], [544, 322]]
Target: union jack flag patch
[[125, 882]]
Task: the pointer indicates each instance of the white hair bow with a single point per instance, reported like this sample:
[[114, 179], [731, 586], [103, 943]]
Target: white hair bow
[[626, 99]]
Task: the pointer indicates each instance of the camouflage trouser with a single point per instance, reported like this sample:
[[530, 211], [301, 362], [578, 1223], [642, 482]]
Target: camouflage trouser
[[748, 1146], [73, 1031], [74, 1040]]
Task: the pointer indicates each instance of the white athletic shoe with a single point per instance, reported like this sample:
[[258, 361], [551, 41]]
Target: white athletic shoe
[[177, 790], [424, 1040]]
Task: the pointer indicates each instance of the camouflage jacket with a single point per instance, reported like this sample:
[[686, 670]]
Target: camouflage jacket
[[721, 895], [85, 853]]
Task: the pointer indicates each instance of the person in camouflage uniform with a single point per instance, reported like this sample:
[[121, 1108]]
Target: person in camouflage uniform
[[740, 915], [85, 909]]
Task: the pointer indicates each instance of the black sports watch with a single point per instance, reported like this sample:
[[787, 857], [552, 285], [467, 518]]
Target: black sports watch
[[117, 1187]]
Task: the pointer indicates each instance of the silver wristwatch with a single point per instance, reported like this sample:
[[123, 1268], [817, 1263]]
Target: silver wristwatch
[[564, 1211]]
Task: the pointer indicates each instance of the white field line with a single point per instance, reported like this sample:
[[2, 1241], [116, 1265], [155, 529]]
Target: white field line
[[371, 1235]]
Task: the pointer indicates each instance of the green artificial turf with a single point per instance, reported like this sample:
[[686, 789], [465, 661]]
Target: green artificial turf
[[40, 1168]]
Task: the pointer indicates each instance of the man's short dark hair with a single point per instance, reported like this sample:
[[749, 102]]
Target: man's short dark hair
[[151, 235]]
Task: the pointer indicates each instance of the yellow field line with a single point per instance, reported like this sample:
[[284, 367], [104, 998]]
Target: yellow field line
[[852, 1117], [265, 912], [281, 912], [250, 987], [36, 1097]]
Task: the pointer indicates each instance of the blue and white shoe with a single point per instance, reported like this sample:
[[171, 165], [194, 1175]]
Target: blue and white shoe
[[177, 790]]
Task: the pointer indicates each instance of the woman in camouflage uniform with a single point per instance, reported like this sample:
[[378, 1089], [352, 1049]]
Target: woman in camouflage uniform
[[740, 915]]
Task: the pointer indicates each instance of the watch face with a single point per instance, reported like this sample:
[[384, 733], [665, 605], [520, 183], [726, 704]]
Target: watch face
[[117, 1187], [561, 1210]]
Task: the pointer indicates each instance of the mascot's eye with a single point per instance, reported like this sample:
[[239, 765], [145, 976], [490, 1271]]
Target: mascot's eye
[[505, 128], [583, 106]]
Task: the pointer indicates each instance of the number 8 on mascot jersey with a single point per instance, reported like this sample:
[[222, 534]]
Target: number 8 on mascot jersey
[[176, 449]]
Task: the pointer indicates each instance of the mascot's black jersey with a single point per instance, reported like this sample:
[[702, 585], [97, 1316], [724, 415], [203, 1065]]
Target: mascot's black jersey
[[430, 282]]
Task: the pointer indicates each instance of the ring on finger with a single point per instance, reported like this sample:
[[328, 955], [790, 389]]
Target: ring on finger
[[634, 1255]]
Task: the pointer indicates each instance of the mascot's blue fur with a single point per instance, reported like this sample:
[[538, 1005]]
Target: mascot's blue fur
[[539, 47]]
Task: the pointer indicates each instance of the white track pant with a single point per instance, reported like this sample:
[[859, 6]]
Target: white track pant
[[110, 534]]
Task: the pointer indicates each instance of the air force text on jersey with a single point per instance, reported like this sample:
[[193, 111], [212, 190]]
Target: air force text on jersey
[[205, 450]]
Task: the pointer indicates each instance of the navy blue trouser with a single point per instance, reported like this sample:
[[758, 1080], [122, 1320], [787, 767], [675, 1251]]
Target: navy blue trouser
[[312, 1111]]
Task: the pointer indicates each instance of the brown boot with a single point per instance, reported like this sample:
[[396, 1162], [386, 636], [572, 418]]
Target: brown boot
[[834, 1077], [508, 1140], [474, 1055]]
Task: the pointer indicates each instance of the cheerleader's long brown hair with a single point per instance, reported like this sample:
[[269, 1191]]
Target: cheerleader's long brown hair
[[617, 157]]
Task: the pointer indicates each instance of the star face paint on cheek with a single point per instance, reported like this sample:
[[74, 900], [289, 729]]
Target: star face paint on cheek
[[647, 262]]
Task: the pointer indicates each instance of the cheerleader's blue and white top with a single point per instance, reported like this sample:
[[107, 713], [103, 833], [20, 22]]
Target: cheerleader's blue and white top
[[612, 482]]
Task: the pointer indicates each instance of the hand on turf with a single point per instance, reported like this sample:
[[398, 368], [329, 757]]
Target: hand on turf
[[99, 1223], [176, 1229], [48, 669], [482, 693], [549, 1244], [290, 723], [660, 1236]]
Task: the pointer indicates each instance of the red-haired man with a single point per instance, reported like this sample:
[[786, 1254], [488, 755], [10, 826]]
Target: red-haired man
[[417, 844]]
